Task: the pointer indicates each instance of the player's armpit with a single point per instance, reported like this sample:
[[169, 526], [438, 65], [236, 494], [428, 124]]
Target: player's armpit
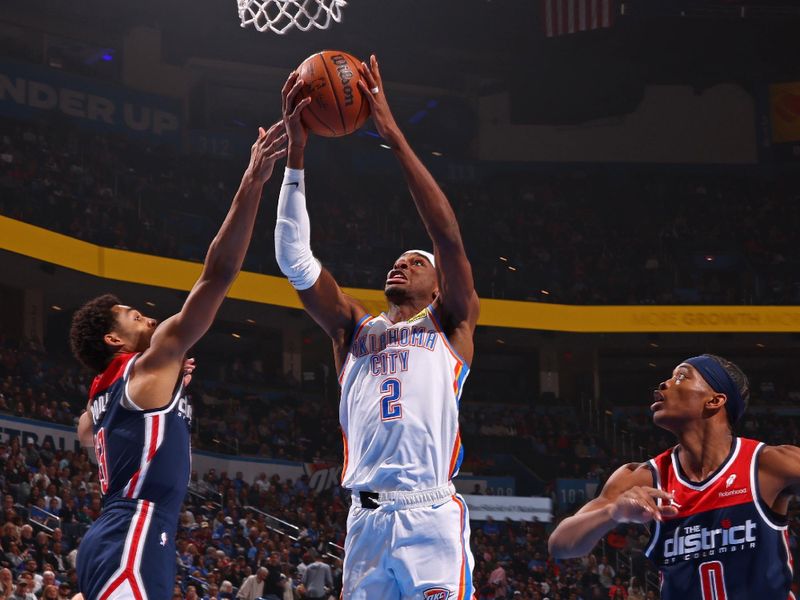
[[332, 309], [155, 373], [85, 435], [456, 285]]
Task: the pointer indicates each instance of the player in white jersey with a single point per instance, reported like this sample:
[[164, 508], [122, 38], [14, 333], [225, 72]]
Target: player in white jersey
[[401, 374]]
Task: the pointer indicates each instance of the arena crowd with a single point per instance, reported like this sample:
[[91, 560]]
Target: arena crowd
[[602, 235]]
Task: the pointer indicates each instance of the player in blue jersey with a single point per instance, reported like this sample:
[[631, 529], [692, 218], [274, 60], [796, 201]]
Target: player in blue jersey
[[138, 413], [716, 503]]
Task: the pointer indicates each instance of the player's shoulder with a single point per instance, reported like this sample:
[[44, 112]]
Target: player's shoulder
[[114, 372], [628, 476], [780, 460]]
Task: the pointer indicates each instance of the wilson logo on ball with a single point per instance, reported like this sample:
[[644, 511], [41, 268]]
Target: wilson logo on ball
[[436, 594], [345, 75]]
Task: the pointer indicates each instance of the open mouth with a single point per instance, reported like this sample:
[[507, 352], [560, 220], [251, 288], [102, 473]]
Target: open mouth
[[658, 401], [396, 277]]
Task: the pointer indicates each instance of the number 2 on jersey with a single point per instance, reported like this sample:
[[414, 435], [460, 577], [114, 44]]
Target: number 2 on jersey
[[391, 410], [712, 580], [102, 463]]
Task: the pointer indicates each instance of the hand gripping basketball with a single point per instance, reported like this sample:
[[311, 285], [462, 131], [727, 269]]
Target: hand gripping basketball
[[638, 505], [338, 106], [298, 135]]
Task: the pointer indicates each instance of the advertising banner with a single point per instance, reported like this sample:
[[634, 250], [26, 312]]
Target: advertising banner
[[574, 493], [516, 508], [32, 90]]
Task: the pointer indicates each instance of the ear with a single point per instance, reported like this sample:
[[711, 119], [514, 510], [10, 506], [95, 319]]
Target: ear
[[113, 340], [717, 401]]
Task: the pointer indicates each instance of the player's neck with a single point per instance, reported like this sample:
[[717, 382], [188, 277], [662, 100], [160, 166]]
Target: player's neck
[[703, 449], [404, 310]]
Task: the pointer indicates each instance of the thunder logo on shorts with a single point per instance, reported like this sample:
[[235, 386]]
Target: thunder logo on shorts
[[436, 593]]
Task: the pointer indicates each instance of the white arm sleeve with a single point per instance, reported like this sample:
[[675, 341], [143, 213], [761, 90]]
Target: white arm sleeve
[[293, 233]]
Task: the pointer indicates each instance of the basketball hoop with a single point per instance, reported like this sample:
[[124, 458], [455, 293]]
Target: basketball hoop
[[280, 16]]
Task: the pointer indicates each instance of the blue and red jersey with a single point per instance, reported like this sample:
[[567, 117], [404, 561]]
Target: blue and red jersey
[[725, 542], [141, 454]]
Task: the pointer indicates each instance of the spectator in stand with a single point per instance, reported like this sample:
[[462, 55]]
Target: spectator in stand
[[605, 572], [48, 580], [23, 589], [64, 591], [275, 584], [253, 586], [226, 589], [31, 568], [617, 590], [6, 582], [499, 581], [50, 593], [317, 579], [635, 590]]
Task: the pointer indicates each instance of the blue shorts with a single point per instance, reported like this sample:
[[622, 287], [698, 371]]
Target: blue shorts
[[128, 553]]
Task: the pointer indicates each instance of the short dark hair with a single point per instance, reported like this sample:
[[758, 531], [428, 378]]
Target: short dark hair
[[90, 323], [738, 377]]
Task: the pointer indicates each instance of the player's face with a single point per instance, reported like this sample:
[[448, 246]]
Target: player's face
[[681, 398], [133, 328], [411, 275]]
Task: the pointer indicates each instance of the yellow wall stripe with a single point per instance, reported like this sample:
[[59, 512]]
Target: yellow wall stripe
[[62, 250]]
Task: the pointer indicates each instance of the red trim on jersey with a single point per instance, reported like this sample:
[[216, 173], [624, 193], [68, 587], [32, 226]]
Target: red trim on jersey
[[363, 323], [153, 438], [731, 485], [344, 466], [132, 483], [128, 573], [113, 372], [462, 591], [454, 456], [151, 452]]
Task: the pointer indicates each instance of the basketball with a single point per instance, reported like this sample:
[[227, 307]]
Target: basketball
[[337, 106]]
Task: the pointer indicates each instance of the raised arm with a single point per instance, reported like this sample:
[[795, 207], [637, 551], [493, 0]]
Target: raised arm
[[456, 286], [627, 497], [334, 311], [177, 334]]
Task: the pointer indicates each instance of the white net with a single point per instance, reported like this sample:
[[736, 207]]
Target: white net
[[280, 16]]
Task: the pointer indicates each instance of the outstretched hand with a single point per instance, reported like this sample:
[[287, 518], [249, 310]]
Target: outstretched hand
[[292, 110], [267, 149], [371, 86]]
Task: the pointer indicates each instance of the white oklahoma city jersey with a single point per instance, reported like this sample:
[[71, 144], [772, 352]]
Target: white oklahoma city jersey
[[401, 386]]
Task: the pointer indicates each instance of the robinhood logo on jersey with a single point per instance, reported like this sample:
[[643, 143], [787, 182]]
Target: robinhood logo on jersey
[[688, 543]]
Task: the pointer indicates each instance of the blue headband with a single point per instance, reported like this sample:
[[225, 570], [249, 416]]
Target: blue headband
[[720, 382]]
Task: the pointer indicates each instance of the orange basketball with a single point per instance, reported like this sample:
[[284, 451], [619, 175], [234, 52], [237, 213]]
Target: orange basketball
[[337, 105]]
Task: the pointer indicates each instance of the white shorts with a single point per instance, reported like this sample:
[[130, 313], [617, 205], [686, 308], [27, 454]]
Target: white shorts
[[414, 546]]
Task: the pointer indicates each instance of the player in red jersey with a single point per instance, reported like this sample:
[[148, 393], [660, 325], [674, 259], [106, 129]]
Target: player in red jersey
[[716, 503]]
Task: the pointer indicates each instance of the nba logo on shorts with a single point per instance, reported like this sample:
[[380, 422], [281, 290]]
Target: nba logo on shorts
[[436, 594]]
